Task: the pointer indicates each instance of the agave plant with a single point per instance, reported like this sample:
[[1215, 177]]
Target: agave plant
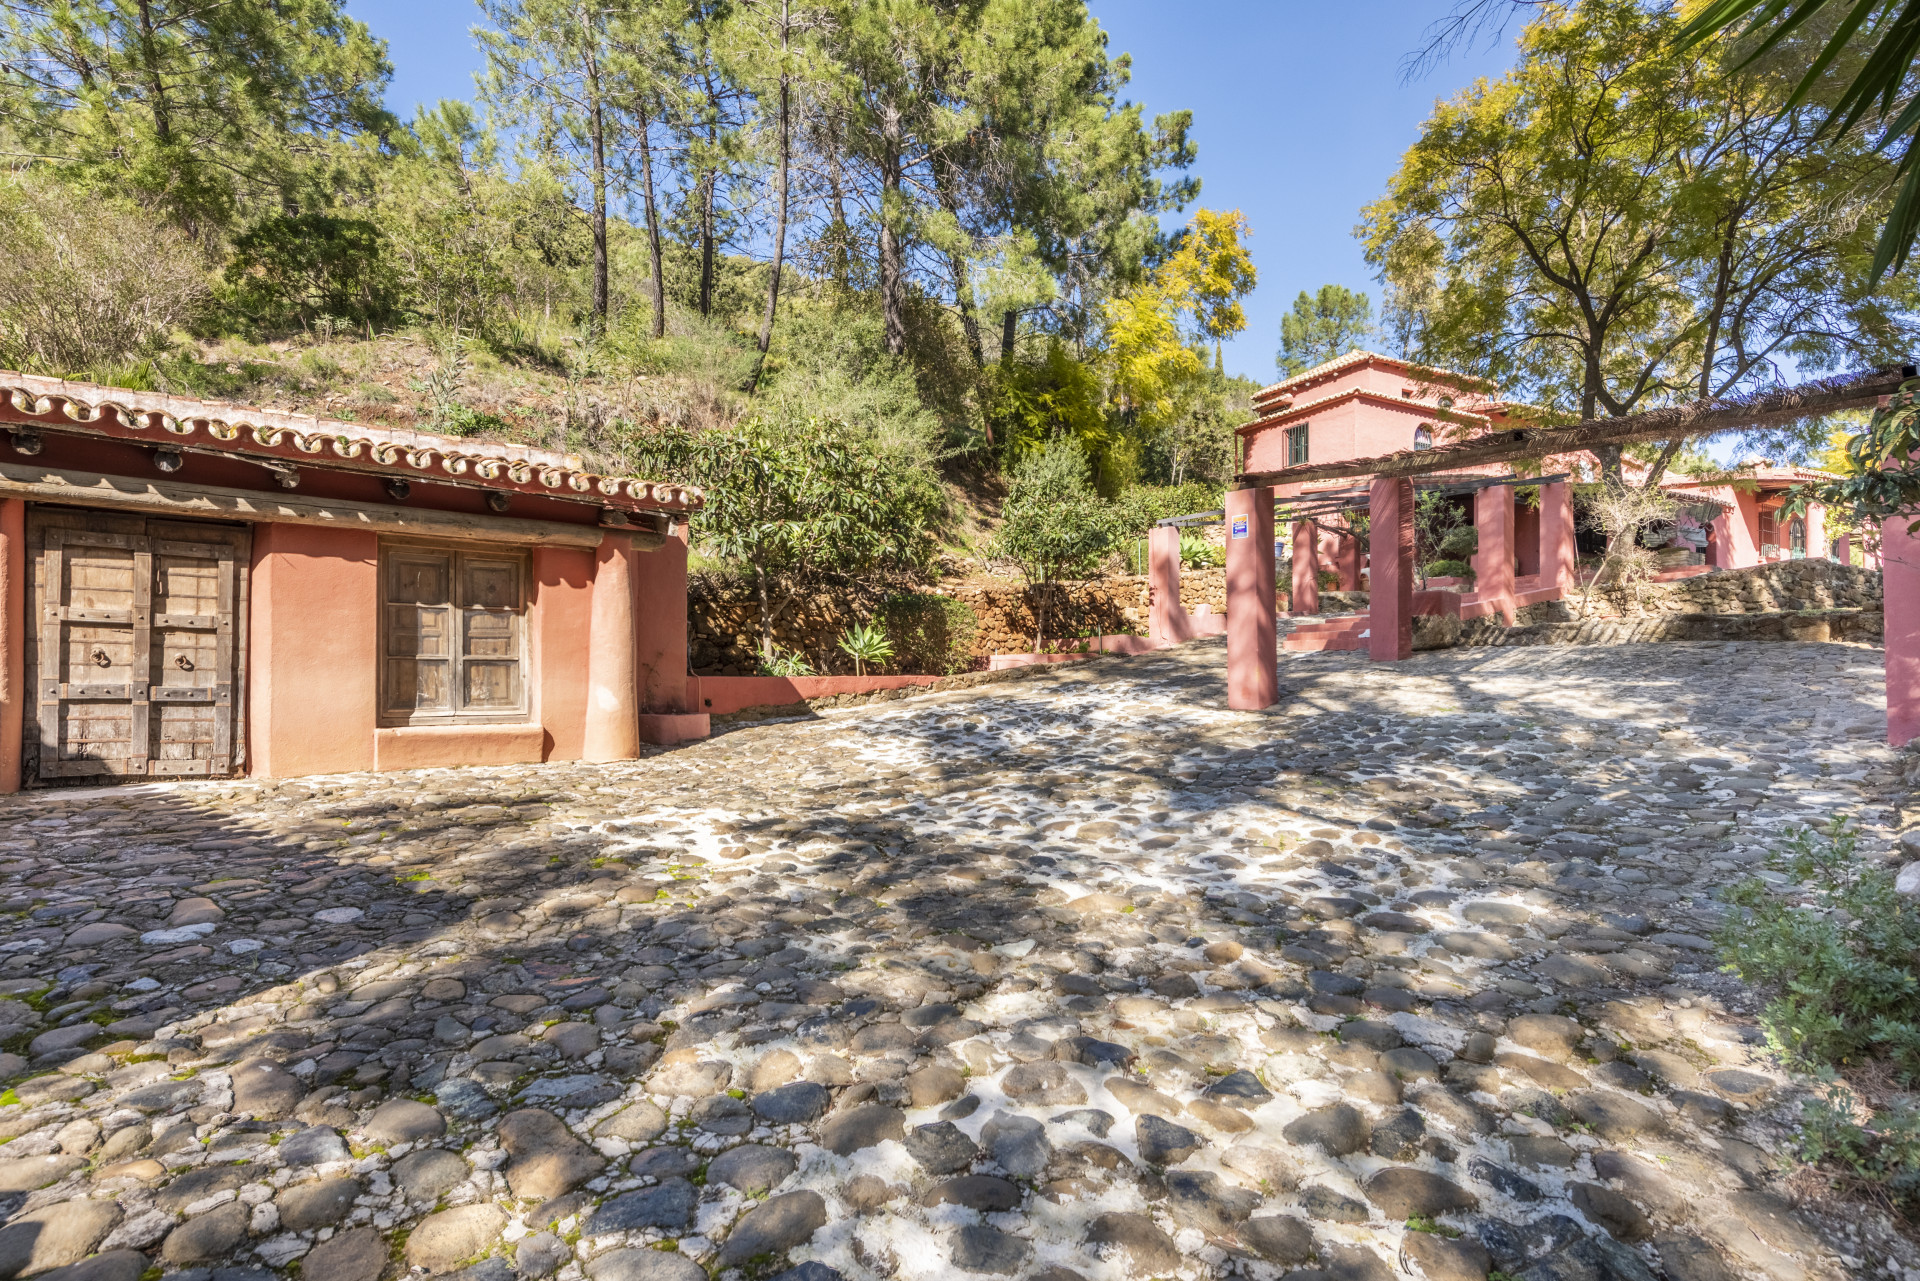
[[791, 663], [867, 643]]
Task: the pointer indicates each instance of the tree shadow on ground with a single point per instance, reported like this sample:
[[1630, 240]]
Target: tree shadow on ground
[[823, 900]]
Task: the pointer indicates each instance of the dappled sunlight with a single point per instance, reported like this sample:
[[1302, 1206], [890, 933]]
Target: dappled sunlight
[[1081, 971]]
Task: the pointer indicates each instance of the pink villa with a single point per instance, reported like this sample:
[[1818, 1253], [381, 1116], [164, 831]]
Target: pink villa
[[1365, 408], [1365, 405], [204, 590]]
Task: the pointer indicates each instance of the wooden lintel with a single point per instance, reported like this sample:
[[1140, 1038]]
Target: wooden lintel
[[207, 502]]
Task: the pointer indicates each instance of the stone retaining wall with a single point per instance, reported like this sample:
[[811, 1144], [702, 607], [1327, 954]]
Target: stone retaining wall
[[725, 628], [1863, 625], [1785, 585], [724, 619]]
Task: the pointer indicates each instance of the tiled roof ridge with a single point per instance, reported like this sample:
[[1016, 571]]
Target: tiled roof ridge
[[219, 422], [1347, 393], [1359, 356]]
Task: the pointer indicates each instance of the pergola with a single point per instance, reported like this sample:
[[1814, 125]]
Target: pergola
[[1252, 621]]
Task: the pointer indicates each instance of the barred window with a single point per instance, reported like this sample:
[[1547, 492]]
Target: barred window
[[1297, 445]]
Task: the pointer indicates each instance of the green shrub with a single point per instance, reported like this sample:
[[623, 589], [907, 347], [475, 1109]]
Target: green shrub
[[1842, 971], [1844, 994], [932, 635], [1139, 506], [291, 270], [1460, 543], [866, 643], [1881, 1155], [1448, 569], [788, 664], [1197, 553], [1328, 579]]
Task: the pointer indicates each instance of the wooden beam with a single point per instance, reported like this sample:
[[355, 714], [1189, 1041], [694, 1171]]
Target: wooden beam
[[1697, 418], [207, 502]]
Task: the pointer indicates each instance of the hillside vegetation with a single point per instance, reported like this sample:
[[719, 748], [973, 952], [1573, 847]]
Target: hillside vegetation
[[929, 233]]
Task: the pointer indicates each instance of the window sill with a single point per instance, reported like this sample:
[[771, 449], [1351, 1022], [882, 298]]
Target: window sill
[[437, 746]]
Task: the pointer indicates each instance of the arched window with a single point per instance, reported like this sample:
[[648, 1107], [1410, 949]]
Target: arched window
[[1797, 537], [1423, 437]]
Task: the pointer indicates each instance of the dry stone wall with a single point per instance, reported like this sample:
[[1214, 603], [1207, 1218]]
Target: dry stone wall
[[724, 618], [724, 627]]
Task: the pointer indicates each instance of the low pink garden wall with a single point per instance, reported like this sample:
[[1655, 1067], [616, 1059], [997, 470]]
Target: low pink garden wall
[[1095, 645], [718, 695]]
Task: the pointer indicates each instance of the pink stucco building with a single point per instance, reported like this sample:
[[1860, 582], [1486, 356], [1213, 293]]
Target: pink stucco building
[[1366, 405], [197, 590]]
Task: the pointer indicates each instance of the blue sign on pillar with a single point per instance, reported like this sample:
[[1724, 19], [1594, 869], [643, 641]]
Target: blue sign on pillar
[[1239, 526]]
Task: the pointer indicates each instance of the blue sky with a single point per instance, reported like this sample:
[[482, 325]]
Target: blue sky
[[1299, 113]]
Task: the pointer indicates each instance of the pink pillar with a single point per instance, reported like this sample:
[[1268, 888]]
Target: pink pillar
[[1720, 541], [1390, 605], [1557, 552], [1843, 549], [1252, 629], [1901, 553], [1346, 560], [669, 705], [1166, 618], [13, 638], [1493, 563], [612, 703], [1817, 531], [1306, 567]]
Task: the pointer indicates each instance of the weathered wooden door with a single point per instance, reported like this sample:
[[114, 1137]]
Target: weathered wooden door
[[137, 658]]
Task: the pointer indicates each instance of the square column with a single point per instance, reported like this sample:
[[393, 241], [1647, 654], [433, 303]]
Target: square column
[[13, 638], [1390, 604], [1346, 561], [669, 705], [1558, 556], [1253, 650], [1843, 549], [613, 726], [1306, 568], [1900, 552], [1166, 618], [1720, 541], [1493, 563]]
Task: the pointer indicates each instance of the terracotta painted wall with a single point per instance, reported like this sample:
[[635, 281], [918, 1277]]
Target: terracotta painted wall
[[313, 628], [1526, 540], [13, 638], [660, 627], [558, 619]]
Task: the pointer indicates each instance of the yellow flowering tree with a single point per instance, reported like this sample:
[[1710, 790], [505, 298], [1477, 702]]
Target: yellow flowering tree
[[1157, 331]]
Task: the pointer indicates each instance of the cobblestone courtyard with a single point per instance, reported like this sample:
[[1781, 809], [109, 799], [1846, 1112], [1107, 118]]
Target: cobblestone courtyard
[[1074, 975]]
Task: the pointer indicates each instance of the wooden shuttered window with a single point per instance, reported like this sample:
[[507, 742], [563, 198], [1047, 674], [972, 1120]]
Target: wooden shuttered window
[[453, 643]]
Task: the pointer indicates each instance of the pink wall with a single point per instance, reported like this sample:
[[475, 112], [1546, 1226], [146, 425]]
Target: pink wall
[[613, 698], [1526, 540], [1493, 562], [1253, 654], [1166, 617], [313, 657], [1390, 599], [660, 627], [561, 614], [718, 695], [1901, 555], [1357, 427], [312, 651], [1305, 596], [1360, 411], [13, 638]]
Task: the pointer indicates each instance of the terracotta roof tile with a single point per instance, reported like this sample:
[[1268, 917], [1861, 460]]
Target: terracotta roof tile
[[259, 434]]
